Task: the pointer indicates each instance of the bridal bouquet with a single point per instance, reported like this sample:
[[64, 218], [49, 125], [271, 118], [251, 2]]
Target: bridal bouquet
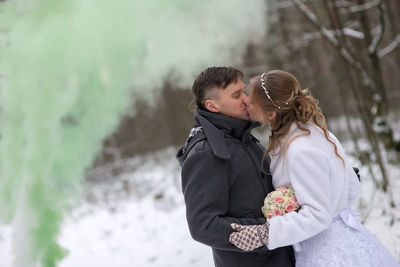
[[280, 202]]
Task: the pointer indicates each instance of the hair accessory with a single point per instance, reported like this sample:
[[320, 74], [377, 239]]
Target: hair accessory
[[266, 91]]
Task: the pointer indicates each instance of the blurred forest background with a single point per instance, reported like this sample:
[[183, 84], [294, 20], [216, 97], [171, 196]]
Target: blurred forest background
[[346, 52]]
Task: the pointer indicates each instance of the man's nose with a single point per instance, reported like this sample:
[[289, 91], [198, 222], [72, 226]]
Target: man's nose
[[246, 100]]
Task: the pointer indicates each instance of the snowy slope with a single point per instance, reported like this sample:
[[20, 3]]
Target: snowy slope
[[139, 220]]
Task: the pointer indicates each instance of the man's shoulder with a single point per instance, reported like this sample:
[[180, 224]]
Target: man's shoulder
[[198, 144]]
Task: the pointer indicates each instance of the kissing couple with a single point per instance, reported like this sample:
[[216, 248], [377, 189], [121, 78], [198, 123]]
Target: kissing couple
[[227, 174]]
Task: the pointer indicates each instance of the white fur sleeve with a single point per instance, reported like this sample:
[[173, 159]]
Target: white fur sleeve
[[308, 171]]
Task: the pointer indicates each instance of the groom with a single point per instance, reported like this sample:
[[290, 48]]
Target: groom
[[222, 178]]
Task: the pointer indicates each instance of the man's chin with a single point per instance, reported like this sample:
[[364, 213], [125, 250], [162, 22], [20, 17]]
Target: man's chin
[[252, 118], [245, 117]]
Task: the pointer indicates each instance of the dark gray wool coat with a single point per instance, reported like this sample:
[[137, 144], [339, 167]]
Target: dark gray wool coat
[[222, 183]]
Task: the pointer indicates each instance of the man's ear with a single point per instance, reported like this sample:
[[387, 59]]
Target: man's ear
[[211, 105]]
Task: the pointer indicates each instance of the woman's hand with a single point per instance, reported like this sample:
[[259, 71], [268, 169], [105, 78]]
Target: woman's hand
[[249, 237]]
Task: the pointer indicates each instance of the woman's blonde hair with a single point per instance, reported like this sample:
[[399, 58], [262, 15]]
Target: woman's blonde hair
[[291, 104]]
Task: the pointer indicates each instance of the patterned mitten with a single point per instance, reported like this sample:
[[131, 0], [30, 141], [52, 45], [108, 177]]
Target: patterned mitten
[[249, 237]]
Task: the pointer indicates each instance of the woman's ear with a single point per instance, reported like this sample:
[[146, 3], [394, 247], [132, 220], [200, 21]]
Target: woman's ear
[[211, 105], [271, 116]]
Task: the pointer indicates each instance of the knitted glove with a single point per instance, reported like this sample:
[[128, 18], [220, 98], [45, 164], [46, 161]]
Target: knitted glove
[[249, 237]]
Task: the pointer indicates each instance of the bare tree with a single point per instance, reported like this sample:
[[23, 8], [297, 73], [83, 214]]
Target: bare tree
[[348, 51], [362, 59]]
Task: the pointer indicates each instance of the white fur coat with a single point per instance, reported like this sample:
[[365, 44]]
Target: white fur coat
[[323, 185]]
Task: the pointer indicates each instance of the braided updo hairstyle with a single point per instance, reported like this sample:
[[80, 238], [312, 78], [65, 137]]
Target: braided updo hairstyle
[[291, 104]]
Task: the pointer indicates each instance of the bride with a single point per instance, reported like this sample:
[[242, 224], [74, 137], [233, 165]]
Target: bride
[[307, 157]]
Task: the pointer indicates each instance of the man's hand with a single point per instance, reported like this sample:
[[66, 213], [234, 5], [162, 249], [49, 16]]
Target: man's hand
[[249, 237]]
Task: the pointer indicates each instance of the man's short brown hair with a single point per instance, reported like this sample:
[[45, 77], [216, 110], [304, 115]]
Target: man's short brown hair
[[211, 78]]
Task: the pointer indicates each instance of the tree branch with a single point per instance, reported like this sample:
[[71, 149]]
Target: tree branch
[[364, 7], [315, 21], [380, 29], [345, 53], [307, 36], [327, 34], [392, 46]]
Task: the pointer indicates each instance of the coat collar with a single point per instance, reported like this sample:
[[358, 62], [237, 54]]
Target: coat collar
[[216, 126]]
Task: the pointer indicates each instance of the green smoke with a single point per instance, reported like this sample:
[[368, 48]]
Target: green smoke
[[68, 70]]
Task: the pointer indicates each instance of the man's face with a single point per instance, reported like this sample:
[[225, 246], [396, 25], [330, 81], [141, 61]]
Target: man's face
[[232, 101]]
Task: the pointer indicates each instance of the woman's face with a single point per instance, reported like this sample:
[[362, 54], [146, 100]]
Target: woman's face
[[255, 112]]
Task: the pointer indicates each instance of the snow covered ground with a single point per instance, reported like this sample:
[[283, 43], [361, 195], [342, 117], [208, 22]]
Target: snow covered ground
[[138, 220]]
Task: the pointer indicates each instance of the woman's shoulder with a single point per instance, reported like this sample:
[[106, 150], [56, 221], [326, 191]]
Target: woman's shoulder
[[305, 140]]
